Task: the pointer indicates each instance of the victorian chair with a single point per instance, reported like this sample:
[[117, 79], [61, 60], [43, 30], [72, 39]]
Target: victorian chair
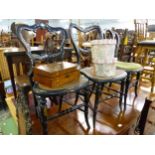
[[80, 39], [83, 48], [52, 53], [131, 68]]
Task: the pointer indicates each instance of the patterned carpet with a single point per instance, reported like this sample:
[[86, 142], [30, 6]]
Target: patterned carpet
[[7, 124]]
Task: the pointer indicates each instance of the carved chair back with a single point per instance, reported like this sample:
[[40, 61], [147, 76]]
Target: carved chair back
[[53, 49], [110, 34], [78, 36]]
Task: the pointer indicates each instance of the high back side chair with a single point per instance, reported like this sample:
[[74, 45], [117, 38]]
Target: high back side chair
[[141, 26], [97, 82], [53, 52], [130, 68], [80, 38]]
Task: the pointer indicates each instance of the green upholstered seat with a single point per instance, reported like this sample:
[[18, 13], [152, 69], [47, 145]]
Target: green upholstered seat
[[129, 66]]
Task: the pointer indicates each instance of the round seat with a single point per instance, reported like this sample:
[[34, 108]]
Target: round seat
[[129, 66], [74, 86]]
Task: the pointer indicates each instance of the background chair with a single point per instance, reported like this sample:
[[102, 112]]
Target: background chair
[[133, 70], [141, 29], [127, 46]]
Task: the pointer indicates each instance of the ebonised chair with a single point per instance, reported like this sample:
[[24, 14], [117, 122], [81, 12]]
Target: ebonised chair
[[79, 36], [53, 52], [97, 83], [132, 69]]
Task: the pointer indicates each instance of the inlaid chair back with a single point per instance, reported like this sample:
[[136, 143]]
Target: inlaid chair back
[[81, 35], [54, 41]]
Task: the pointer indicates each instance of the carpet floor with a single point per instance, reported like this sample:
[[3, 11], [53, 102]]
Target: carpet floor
[[8, 125]]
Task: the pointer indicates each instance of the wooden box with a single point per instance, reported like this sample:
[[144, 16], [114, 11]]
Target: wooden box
[[56, 74]]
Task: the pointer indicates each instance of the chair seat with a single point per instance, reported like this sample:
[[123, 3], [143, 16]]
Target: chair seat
[[128, 66], [22, 81], [70, 87]]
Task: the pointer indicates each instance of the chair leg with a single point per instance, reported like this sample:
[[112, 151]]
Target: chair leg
[[35, 103], [136, 84], [76, 98], [86, 101], [42, 110], [97, 96], [121, 95], [152, 82], [126, 89], [60, 103]]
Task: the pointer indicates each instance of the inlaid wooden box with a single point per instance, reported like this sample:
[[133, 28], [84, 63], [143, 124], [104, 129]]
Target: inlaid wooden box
[[56, 74]]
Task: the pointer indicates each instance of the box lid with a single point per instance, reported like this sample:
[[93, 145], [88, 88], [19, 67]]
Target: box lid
[[54, 69]]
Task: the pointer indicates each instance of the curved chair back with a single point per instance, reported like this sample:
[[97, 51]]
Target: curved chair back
[[54, 40], [78, 36], [109, 34]]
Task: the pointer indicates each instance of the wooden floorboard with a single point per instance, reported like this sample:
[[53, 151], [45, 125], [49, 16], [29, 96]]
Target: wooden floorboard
[[110, 121]]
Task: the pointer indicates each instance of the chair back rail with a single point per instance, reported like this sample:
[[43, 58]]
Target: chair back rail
[[84, 35]]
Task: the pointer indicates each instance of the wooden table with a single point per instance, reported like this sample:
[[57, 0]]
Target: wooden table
[[17, 55], [143, 47]]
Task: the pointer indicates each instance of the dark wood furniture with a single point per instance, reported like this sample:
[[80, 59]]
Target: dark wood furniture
[[41, 92], [97, 83], [98, 86], [2, 94], [133, 70]]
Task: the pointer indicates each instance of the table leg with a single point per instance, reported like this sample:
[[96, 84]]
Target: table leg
[[2, 94], [10, 66]]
